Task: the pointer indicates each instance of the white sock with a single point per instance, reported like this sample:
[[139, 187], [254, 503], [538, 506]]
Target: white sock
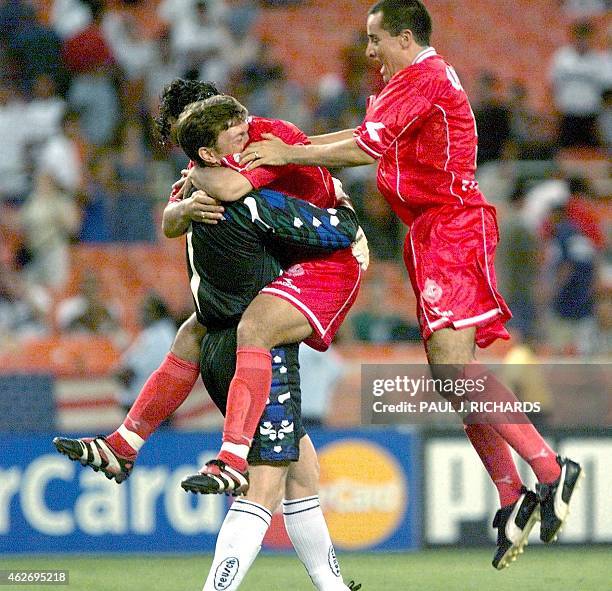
[[238, 543], [310, 537]]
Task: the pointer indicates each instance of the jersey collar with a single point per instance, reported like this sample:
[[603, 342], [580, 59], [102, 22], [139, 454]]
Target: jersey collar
[[423, 55]]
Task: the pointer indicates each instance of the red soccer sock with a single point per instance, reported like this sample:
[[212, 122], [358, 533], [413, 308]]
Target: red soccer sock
[[246, 401], [495, 454], [515, 428], [164, 391]]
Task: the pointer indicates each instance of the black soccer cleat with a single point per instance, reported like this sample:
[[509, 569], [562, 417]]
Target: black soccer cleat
[[514, 523], [217, 478], [555, 498], [97, 453], [354, 586]]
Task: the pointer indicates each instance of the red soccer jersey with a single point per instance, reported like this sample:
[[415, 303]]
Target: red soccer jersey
[[421, 129], [310, 183]]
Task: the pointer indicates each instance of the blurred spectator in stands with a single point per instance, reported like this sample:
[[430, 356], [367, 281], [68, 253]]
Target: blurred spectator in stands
[[35, 48], [49, 218], [519, 263], [377, 323], [147, 351], [161, 70], [133, 212], [200, 39], [132, 52], [87, 311], [94, 96], [93, 92], [14, 182], [319, 373], [46, 109], [579, 75], [62, 156], [528, 134], [23, 307], [493, 118], [573, 271], [604, 121], [99, 200]]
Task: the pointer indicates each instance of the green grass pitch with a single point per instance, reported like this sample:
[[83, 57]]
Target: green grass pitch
[[561, 569]]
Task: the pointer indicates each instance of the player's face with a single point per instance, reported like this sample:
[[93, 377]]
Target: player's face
[[232, 140], [383, 47]]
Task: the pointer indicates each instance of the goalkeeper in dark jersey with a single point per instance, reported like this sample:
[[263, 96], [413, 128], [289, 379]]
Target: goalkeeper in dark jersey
[[255, 231]]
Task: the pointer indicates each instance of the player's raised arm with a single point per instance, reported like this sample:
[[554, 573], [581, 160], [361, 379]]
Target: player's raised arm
[[274, 152], [220, 183]]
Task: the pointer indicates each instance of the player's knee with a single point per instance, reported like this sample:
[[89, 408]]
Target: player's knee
[[253, 333], [188, 339]]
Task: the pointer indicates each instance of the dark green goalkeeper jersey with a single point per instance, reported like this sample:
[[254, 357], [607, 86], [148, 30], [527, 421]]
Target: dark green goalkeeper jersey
[[230, 262]]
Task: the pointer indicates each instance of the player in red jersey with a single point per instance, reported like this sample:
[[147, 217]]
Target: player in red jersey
[[421, 131], [307, 303]]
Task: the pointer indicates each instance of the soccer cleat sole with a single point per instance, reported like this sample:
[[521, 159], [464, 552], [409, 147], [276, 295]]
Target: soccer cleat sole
[[75, 456], [206, 485], [515, 551], [563, 521]]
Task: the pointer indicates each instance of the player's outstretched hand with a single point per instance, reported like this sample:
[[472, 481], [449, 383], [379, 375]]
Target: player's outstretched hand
[[203, 208], [360, 250], [270, 152]]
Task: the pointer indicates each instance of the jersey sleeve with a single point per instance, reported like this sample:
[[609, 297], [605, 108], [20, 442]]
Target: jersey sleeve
[[266, 175], [174, 196], [284, 219], [398, 107]]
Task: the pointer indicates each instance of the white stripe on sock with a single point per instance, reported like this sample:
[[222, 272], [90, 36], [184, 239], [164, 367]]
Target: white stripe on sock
[[240, 450], [134, 440]]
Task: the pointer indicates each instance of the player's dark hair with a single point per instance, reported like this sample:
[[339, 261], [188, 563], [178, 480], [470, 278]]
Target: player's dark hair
[[201, 123], [175, 97], [398, 15]]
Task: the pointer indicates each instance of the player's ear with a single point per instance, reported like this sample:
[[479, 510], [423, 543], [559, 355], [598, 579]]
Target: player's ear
[[406, 38], [207, 155]]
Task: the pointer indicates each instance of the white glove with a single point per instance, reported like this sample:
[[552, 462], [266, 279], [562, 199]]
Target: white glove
[[360, 249]]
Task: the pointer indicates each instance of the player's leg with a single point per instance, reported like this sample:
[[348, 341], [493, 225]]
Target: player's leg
[[244, 527], [267, 322], [449, 351], [307, 303], [306, 524], [165, 390]]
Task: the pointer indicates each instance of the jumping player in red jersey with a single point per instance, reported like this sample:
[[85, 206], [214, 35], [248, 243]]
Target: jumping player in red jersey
[[421, 131], [307, 303]]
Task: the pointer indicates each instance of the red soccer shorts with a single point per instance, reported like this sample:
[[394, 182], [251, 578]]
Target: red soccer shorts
[[323, 290], [449, 253]]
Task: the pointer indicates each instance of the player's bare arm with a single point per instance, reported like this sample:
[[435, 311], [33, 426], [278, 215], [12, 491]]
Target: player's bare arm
[[330, 138], [198, 207], [220, 183], [274, 152]]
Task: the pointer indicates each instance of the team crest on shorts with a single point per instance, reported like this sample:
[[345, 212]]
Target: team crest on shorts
[[432, 292]]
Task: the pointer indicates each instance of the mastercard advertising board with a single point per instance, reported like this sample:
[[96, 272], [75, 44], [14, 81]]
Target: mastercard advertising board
[[370, 490]]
